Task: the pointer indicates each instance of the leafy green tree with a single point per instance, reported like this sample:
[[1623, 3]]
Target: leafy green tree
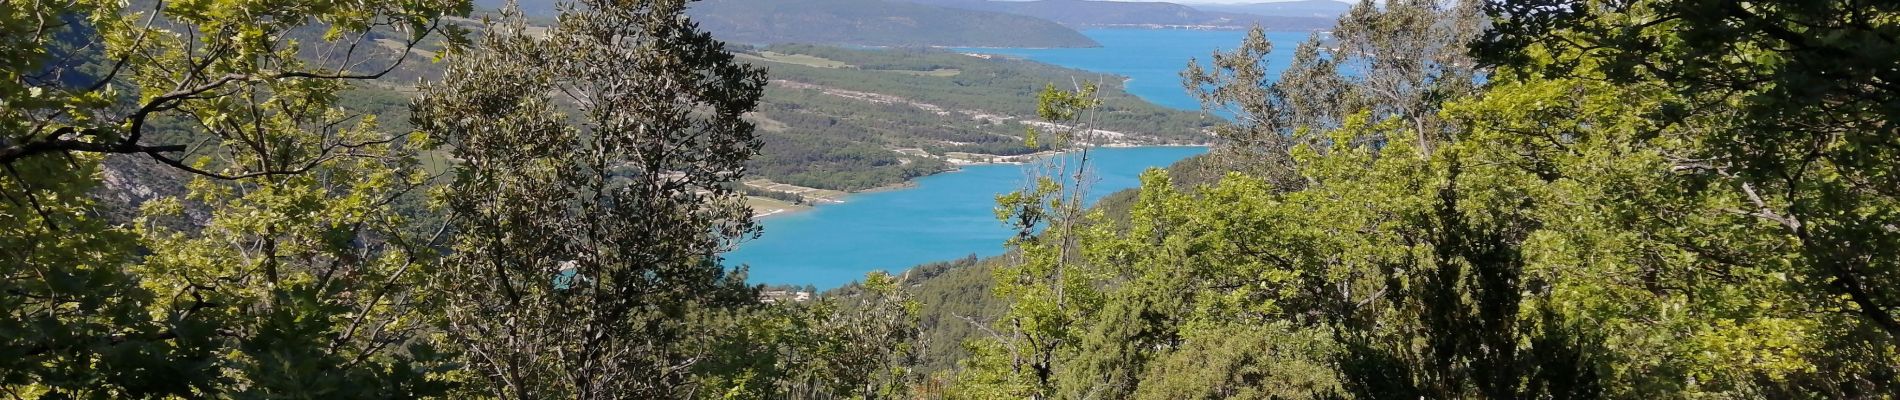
[[261, 289], [1764, 138], [586, 262], [1401, 59], [308, 283], [856, 342], [860, 345], [74, 322], [1047, 289], [1808, 86], [1673, 317]]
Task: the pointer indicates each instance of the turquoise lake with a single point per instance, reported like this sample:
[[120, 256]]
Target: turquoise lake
[[944, 216], [1152, 59], [951, 215]]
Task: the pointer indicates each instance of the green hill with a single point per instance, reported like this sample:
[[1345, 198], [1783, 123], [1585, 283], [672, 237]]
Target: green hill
[[1091, 13], [877, 23], [860, 23], [1297, 8], [845, 119]]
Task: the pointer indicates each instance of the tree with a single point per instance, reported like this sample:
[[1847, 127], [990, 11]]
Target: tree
[[865, 341], [587, 262], [263, 290], [1773, 122], [1640, 202], [1400, 60], [1810, 86], [1368, 253], [1047, 287]]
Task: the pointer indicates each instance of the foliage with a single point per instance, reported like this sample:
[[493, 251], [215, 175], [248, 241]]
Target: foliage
[[1773, 124], [585, 263], [872, 339], [1796, 99], [1047, 295], [201, 202], [1653, 199], [955, 302], [1641, 202], [281, 271]]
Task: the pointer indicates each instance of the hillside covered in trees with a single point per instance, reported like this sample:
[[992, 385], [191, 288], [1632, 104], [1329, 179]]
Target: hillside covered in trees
[[843, 119], [877, 23], [856, 23], [1140, 14], [1329, 9], [1512, 199]]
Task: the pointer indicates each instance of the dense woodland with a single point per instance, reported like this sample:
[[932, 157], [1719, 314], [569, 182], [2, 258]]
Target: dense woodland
[[1513, 199]]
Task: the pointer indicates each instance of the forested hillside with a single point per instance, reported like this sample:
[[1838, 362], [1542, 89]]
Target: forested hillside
[[1296, 8], [846, 119], [858, 22], [1145, 14], [1503, 200]]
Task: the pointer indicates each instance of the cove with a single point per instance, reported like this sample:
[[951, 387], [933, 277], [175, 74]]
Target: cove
[[952, 215], [941, 217]]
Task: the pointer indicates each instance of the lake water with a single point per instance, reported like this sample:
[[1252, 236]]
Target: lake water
[[1153, 58], [944, 216], [951, 215]]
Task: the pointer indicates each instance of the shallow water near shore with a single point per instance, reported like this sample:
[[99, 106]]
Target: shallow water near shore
[[1152, 59]]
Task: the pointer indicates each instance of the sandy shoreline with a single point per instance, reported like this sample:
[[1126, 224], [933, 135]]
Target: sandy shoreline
[[956, 166]]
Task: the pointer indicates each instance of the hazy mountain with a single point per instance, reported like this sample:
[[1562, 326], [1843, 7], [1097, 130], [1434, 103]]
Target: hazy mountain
[[1296, 8], [860, 22], [1089, 13]]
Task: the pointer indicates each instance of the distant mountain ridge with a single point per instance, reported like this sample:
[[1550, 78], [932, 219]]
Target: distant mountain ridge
[[1329, 9], [1095, 13], [877, 23], [859, 22]]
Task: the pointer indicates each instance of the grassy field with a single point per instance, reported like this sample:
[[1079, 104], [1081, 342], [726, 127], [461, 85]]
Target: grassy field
[[762, 206], [799, 59], [810, 194], [821, 62], [939, 72]]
